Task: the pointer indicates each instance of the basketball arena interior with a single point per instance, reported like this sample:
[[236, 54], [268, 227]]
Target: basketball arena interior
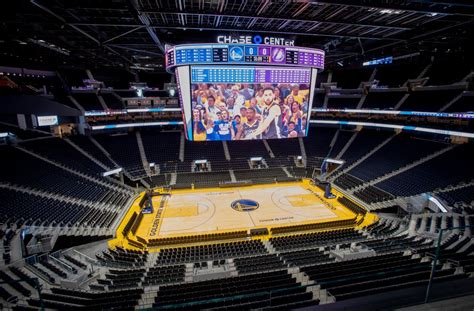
[[237, 155]]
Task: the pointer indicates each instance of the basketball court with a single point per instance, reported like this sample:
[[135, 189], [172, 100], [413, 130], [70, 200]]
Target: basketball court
[[187, 212], [203, 211]]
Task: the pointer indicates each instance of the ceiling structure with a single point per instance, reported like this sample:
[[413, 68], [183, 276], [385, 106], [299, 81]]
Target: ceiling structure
[[133, 33]]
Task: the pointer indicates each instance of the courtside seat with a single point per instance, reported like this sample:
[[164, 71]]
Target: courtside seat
[[197, 238]]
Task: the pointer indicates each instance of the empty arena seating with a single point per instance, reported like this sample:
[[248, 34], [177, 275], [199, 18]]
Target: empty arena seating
[[52, 179], [341, 140], [464, 195], [161, 146], [314, 239], [318, 141], [164, 275], [432, 174], [284, 147], [210, 252], [253, 264], [209, 150], [18, 286], [364, 142], [62, 298], [203, 179], [86, 144], [27, 209], [264, 174], [365, 276], [60, 151], [75, 262], [129, 157], [242, 292], [247, 149], [389, 157], [371, 194], [305, 257], [352, 206], [394, 244], [121, 279], [123, 257], [347, 181], [197, 238]]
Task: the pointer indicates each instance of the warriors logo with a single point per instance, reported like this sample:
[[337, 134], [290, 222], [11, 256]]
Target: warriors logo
[[244, 205]]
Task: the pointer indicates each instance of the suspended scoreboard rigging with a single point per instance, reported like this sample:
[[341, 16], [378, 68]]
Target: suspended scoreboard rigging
[[219, 84]]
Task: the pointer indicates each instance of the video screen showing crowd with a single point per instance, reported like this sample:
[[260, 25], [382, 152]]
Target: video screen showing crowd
[[249, 111]]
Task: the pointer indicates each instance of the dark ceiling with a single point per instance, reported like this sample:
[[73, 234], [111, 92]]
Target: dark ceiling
[[132, 33]]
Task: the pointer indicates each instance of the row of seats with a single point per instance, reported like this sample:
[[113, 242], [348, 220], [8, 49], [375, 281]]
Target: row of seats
[[446, 169], [210, 252], [27, 209], [347, 181], [253, 264], [197, 238], [314, 239], [315, 226], [352, 206], [242, 290], [371, 194], [389, 158], [68, 299]]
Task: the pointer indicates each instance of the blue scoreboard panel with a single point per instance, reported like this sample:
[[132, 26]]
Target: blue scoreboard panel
[[238, 54]]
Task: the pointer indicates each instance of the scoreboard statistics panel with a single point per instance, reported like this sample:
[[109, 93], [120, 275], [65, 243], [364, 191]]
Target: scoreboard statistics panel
[[244, 91], [190, 54]]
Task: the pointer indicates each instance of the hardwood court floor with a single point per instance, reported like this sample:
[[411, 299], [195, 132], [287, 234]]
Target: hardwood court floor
[[203, 211]]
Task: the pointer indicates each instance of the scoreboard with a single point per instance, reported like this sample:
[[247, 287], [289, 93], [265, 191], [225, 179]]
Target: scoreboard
[[244, 74], [243, 54], [228, 90]]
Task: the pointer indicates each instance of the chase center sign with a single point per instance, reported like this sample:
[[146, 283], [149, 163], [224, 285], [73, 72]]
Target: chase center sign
[[255, 40]]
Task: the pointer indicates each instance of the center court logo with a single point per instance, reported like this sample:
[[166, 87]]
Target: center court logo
[[244, 205]]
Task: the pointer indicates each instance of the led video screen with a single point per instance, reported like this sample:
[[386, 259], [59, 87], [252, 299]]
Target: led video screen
[[246, 102]]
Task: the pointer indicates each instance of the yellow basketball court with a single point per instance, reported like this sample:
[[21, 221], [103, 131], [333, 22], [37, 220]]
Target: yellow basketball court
[[189, 212]]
